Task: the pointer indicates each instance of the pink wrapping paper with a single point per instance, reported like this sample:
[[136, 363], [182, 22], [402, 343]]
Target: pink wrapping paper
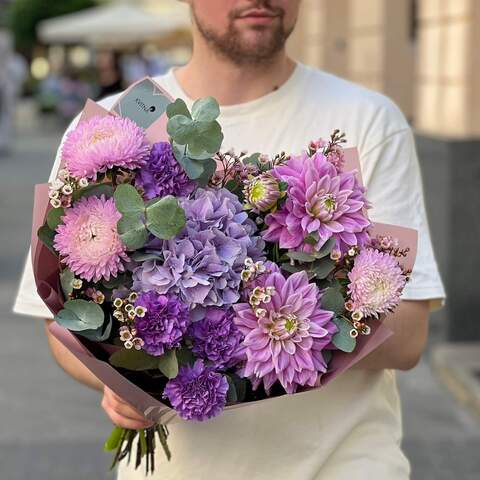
[[46, 270]]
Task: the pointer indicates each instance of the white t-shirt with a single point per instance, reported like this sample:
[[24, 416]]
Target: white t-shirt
[[350, 429]]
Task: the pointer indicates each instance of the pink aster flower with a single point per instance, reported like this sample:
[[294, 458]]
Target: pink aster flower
[[102, 143], [88, 239], [376, 282], [285, 334], [320, 200]]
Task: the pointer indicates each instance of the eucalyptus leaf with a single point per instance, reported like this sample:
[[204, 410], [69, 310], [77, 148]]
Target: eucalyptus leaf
[[47, 236], [66, 281], [333, 300], [193, 168], [322, 268], [178, 107], [96, 189], [100, 334], [133, 359], [181, 128], [200, 156], [128, 201], [144, 256], [78, 315], [168, 364], [342, 339], [205, 109], [54, 217], [301, 257], [132, 231], [209, 168], [326, 248], [207, 136], [288, 267], [165, 218]]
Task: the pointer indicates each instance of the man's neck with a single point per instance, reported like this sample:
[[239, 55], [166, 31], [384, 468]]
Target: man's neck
[[207, 73]]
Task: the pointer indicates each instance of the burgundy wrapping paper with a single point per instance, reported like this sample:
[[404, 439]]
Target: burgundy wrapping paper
[[46, 270]]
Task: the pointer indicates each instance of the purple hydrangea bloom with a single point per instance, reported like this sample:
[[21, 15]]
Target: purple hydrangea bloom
[[203, 264], [164, 324], [198, 392], [216, 337], [162, 175]]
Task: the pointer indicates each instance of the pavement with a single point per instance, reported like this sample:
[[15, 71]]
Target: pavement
[[52, 428]]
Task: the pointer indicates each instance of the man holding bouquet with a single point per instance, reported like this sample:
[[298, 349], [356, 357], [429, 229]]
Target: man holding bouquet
[[351, 428]]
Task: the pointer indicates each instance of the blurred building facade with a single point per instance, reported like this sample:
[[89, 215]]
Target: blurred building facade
[[424, 55]]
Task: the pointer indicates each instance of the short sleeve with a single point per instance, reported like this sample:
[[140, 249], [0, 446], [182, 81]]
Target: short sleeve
[[393, 179]]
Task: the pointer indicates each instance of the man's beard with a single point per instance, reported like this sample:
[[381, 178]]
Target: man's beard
[[239, 51]]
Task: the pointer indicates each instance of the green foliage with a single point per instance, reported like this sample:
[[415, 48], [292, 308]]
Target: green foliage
[[165, 218], [96, 189], [114, 440], [66, 281], [139, 360], [79, 315], [132, 359], [168, 364], [128, 201], [54, 217], [301, 256], [195, 137], [322, 268], [161, 216], [132, 231], [47, 236], [99, 334], [333, 300], [342, 339], [24, 16]]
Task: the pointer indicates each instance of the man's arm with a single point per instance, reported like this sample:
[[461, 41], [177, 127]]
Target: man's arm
[[403, 350], [119, 411], [70, 363]]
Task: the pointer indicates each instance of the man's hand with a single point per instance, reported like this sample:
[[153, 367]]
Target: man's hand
[[121, 413]]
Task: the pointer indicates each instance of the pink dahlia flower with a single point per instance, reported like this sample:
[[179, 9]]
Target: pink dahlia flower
[[88, 239], [285, 337], [319, 199], [102, 143], [376, 282]]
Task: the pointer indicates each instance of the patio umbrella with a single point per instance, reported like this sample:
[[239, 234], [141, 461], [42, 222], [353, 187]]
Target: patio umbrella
[[116, 24]]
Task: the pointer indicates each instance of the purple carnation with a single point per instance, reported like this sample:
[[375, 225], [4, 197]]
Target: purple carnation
[[204, 263], [216, 337], [164, 323], [163, 175], [198, 392]]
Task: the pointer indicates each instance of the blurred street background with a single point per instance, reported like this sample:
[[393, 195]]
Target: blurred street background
[[421, 53]]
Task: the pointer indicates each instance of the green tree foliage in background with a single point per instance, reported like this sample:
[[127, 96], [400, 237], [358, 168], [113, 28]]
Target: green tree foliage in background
[[24, 16]]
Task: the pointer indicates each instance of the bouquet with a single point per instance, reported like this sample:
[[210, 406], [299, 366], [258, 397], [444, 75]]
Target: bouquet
[[192, 281]]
